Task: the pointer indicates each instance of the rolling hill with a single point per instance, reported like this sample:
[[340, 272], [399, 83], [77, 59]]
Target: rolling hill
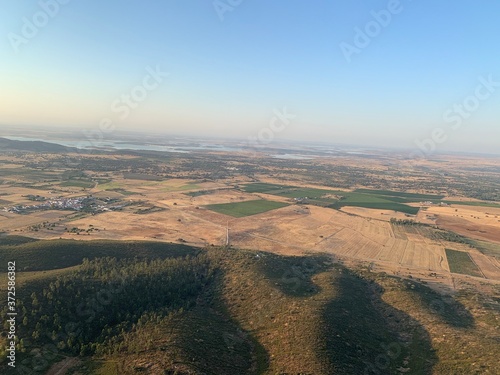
[[127, 308]]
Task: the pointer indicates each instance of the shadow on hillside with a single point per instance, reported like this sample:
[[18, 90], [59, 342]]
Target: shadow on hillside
[[213, 342], [292, 275], [449, 310], [359, 340]]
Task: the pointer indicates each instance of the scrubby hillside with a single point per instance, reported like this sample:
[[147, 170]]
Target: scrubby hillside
[[228, 311]]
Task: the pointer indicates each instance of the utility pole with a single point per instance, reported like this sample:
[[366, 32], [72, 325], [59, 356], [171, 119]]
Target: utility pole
[[227, 234]]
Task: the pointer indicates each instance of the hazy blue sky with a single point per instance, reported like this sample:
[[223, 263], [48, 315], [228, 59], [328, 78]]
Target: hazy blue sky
[[230, 66]]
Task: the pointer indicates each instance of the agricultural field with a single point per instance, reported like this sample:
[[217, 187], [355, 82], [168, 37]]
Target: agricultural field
[[477, 222], [78, 183], [374, 199], [109, 192], [473, 203], [263, 187], [461, 262], [309, 193], [183, 187], [409, 196], [488, 248], [247, 208], [112, 186], [370, 213], [482, 254], [200, 193]]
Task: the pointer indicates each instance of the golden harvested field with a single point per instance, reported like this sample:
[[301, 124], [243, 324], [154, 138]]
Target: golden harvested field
[[221, 196], [488, 267], [481, 223], [384, 215], [19, 223]]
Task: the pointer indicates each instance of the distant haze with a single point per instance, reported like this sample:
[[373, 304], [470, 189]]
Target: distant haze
[[383, 73]]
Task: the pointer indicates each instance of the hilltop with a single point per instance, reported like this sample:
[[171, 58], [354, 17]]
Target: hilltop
[[33, 146]]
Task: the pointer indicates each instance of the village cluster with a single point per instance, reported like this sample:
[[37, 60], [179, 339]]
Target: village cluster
[[86, 203]]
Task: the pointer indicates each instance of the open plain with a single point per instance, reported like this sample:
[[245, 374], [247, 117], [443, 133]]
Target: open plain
[[330, 240], [297, 216]]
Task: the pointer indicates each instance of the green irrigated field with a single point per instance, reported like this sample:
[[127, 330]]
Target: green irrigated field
[[399, 199], [376, 199], [461, 262], [411, 196], [261, 187], [247, 208], [475, 204], [310, 193]]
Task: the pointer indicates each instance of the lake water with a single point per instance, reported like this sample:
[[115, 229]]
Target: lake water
[[292, 157], [121, 145]]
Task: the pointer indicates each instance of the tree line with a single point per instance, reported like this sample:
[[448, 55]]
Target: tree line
[[82, 313]]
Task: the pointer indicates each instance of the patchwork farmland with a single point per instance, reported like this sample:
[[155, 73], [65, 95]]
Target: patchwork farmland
[[374, 199]]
